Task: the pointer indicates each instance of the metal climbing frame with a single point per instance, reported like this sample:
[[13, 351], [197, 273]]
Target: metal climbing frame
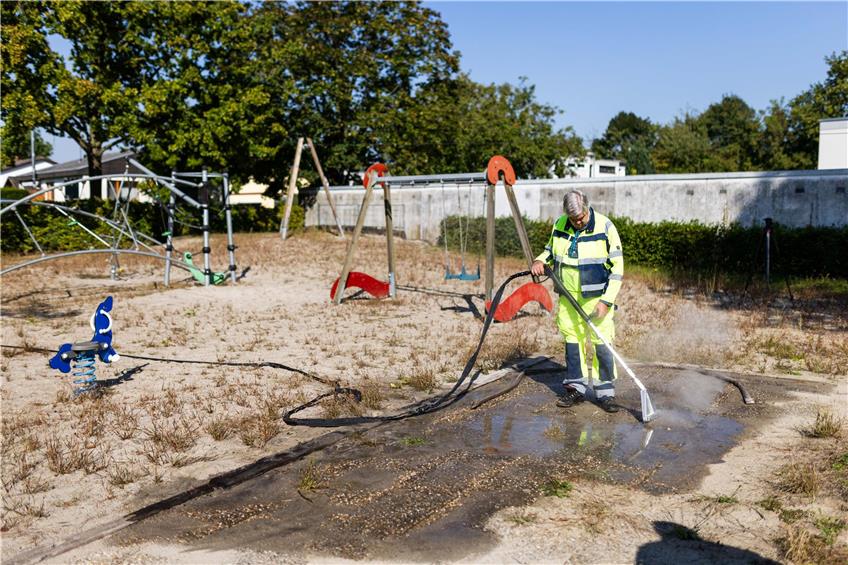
[[121, 227]]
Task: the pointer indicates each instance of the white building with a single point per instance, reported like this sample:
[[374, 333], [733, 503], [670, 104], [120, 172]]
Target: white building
[[589, 167], [21, 174], [252, 192], [833, 143]]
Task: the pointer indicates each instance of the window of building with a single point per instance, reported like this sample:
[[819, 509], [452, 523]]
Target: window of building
[[606, 170]]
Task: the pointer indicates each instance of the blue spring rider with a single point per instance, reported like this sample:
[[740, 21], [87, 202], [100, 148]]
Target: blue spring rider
[[82, 355]]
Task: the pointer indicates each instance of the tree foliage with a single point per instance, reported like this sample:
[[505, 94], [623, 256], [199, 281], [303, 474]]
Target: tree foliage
[[233, 84], [629, 138]]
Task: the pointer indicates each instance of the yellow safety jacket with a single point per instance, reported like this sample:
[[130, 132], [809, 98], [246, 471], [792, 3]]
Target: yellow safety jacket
[[588, 261]]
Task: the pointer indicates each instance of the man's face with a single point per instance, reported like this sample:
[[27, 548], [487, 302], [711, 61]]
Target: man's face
[[580, 221]]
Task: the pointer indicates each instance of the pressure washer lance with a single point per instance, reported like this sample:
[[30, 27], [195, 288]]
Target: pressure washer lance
[[648, 411]]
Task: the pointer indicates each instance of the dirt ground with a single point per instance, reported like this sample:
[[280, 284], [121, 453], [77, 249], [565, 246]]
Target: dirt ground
[[70, 463]]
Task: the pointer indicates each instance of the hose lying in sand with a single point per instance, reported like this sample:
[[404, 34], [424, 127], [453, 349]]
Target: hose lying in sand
[[420, 408]]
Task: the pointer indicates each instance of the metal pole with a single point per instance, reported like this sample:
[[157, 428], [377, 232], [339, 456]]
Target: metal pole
[[207, 264], [325, 184], [32, 237], [490, 240], [231, 248], [169, 234], [284, 225], [32, 157], [768, 253], [390, 241], [172, 186]]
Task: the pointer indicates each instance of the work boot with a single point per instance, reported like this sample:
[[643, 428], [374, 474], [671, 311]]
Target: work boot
[[570, 398], [608, 404]]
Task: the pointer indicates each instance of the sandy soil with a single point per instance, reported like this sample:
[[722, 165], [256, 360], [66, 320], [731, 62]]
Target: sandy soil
[[73, 463]]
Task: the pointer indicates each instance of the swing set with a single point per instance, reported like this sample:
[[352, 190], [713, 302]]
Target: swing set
[[499, 169], [463, 274]]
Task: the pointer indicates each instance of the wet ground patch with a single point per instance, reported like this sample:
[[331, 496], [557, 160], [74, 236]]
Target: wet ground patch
[[422, 488]]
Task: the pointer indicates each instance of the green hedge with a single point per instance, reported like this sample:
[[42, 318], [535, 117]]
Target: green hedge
[[55, 232], [691, 247]]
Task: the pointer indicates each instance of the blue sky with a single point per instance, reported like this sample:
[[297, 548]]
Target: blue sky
[[658, 59], [655, 59]]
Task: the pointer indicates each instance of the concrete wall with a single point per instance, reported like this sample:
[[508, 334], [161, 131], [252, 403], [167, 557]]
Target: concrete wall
[[792, 198]]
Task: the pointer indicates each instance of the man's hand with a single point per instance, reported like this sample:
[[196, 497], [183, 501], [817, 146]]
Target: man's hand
[[600, 311], [538, 268]]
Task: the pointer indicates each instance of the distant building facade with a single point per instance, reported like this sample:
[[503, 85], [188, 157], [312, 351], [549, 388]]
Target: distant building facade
[[833, 143], [252, 192], [589, 167]]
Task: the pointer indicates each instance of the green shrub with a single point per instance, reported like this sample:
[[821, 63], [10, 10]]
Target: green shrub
[[688, 247]]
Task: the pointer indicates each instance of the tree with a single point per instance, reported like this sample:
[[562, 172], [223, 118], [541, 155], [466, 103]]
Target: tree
[[828, 99], [629, 138], [15, 147], [362, 71], [773, 143], [125, 59], [683, 147], [732, 129]]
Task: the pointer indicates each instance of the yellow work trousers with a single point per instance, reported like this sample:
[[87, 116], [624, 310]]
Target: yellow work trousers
[[574, 332]]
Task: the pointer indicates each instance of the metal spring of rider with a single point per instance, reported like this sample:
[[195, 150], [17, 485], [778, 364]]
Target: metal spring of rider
[[84, 368]]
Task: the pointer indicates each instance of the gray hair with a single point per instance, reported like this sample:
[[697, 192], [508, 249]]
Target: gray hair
[[575, 203]]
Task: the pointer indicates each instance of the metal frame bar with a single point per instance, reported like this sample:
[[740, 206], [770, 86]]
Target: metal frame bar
[[77, 211], [31, 262]]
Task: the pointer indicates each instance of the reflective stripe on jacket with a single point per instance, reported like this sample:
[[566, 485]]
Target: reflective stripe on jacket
[[597, 267]]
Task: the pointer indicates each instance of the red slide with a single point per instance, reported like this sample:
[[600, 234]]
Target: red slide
[[528, 292], [377, 289]]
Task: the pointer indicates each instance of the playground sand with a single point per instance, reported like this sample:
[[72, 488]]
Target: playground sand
[[74, 463]]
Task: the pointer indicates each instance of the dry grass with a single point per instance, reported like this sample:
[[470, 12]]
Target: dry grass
[[220, 428], [424, 379], [826, 426], [259, 428], [800, 545], [122, 474], [799, 478], [502, 347], [372, 395]]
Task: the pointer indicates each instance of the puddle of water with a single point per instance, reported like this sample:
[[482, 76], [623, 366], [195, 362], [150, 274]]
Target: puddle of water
[[427, 484]]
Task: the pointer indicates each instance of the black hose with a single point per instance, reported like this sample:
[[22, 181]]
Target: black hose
[[417, 410]]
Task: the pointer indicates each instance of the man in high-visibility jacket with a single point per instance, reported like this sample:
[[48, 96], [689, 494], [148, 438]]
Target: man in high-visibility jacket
[[585, 251]]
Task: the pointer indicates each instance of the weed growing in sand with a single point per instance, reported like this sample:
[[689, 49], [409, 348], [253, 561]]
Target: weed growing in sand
[[219, 428], [423, 379], [771, 503], [791, 515], [557, 488], [310, 479], [840, 462], [120, 474], [826, 425], [258, 429], [522, 518], [726, 499], [799, 545], [58, 458], [372, 396], [799, 478], [413, 441], [829, 527], [124, 422]]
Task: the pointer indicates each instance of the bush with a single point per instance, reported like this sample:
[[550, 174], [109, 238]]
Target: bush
[[689, 247]]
